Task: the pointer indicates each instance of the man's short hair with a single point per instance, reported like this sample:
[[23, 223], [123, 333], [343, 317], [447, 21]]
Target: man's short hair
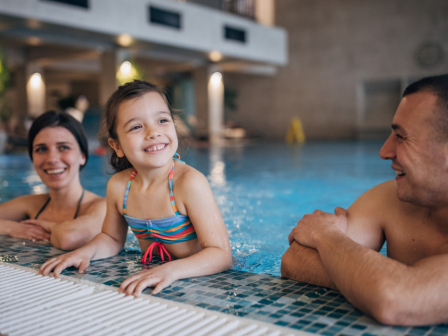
[[438, 86]]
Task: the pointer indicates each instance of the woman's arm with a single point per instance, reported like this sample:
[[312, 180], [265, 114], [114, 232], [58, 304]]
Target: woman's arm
[[75, 233], [106, 244], [216, 256], [12, 212]]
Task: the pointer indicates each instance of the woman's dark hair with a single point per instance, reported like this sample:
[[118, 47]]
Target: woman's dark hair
[[128, 91], [55, 119]]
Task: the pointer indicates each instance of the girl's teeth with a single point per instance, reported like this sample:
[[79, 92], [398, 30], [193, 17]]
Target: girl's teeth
[[159, 147]]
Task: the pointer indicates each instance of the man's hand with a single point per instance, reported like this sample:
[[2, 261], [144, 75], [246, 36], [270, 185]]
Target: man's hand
[[46, 225], [311, 225]]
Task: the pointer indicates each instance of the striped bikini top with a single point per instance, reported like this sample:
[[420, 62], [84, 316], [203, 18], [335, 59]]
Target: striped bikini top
[[174, 229]]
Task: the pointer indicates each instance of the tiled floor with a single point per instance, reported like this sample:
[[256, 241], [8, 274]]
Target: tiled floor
[[256, 296]]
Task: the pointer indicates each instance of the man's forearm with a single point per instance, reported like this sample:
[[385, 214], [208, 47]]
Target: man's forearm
[[370, 281], [303, 264]]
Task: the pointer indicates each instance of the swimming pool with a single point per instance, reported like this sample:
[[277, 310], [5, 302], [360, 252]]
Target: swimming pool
[[262, 189]]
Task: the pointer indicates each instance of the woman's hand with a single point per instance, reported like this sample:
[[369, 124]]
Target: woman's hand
[[162, 276], [78, 258], [46, 225], [28, 231]]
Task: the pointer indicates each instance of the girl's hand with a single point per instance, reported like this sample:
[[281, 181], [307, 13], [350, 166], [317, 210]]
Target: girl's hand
[[46, 225], [162, 276], [28, 231], [77, 258]]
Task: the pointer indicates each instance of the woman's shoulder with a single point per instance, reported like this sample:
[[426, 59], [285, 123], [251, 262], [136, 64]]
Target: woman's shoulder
[[92, 198], [36, 200]]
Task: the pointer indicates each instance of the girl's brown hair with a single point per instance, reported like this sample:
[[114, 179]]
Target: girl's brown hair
[[128, 91]]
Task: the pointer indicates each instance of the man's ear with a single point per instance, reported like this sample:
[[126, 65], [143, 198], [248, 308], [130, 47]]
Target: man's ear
[[115, 146]]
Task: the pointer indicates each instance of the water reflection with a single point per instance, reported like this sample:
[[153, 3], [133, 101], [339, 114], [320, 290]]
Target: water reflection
[[217, 166]]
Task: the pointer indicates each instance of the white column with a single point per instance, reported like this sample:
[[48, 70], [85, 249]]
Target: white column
[[35, 90], [215, 105]]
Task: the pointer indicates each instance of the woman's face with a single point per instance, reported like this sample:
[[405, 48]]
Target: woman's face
[[57, 157]]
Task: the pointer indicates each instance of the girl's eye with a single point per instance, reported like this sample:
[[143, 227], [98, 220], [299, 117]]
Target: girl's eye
[[164, 120], [135, 128]]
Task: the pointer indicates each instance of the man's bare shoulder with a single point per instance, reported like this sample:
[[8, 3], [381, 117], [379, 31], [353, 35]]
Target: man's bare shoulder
[[379, 198]]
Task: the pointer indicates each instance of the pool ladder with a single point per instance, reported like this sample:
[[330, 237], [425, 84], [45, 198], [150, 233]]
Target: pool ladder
[[32, 304]]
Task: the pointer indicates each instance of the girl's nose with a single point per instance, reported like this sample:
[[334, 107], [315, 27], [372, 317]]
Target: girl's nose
[[152, 133]]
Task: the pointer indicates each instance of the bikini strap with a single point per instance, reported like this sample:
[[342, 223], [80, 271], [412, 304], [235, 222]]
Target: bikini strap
[[170, 182], [43, 208], [125, 198], [79, 204], [49, 199]]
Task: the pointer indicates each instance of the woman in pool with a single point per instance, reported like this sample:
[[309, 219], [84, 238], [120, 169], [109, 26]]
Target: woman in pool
[[152, 183], [68, 215]]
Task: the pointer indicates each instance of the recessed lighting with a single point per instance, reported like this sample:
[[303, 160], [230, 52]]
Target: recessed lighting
[[126, 68], [125, 40], [36, 80], [216, 78], [215, 56]]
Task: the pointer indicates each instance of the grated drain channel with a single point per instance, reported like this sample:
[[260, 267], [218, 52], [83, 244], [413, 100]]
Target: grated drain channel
[[31, 304]]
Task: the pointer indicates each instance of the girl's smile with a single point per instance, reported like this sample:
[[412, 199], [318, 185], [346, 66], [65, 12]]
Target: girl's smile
[[146, 132]]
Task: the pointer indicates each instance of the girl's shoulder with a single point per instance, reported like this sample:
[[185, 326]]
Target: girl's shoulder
[[188, 178], [120, 179]]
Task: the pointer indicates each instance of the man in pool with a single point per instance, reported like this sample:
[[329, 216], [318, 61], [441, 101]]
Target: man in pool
[[340, 250]]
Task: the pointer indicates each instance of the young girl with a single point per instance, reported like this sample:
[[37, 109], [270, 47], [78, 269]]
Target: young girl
[[185, 223]]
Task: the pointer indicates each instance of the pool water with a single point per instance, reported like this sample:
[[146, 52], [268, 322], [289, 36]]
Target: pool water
[[262, 189]]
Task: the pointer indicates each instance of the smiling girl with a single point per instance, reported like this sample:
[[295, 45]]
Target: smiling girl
[[67, 215], [168, 204]]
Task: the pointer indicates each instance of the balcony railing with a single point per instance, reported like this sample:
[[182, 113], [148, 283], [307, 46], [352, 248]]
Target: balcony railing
[[245, 8]]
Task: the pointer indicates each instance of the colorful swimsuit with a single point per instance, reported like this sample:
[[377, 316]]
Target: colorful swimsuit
[[174, 229]]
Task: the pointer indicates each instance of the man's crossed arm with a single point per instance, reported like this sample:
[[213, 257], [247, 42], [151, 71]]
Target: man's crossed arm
[[341, 251]]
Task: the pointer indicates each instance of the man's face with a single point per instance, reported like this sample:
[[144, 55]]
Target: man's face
[[418, 158]]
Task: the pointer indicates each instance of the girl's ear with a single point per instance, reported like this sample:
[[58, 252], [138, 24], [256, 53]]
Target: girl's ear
[[116, 147]]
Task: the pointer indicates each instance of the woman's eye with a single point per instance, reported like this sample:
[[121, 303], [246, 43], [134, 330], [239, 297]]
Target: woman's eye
[[64, 148], [40, 149]]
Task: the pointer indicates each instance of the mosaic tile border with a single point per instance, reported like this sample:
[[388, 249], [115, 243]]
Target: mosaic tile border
[[261, 297]]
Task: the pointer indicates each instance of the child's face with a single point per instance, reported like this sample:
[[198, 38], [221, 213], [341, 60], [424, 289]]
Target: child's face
[[146, 132]]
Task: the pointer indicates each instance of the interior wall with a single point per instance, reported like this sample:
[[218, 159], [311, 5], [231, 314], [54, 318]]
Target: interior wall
[[335, 48]]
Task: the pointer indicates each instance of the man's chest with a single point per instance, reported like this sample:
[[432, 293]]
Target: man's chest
[[412, 239]]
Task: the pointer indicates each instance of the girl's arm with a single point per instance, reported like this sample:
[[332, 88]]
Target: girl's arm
[[12, 212], [106, 244], [195, 194], [75, 233]]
